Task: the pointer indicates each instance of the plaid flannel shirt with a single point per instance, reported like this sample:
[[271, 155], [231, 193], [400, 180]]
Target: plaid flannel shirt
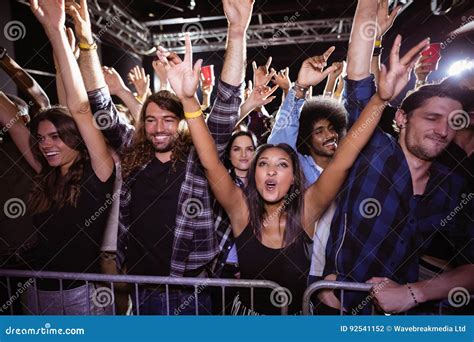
[[380, 229], [195, 242]]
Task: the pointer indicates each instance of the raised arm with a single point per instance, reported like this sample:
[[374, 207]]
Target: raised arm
[[11, 122], [184, 80], [118, 88], [51, 15], [325, 189], [286, 127], [24, 82]]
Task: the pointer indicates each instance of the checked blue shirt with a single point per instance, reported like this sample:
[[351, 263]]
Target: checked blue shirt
[[380, 229]]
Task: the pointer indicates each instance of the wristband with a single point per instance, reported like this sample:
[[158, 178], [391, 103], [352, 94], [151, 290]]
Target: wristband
[[412, 294], [87, 47], [193, 115]]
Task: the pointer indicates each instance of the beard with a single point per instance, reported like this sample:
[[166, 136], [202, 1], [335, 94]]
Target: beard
[[424, 151]]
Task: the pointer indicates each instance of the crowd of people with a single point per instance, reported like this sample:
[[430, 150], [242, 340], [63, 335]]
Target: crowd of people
[[339, 186]]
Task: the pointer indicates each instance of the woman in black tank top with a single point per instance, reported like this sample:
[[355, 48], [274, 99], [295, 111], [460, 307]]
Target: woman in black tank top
[[273, 218]]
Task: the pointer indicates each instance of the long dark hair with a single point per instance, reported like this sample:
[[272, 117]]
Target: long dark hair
[[51, 189], [142, 152], [293, 204], [235, 135]]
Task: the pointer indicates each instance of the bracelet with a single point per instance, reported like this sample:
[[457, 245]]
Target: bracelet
[[87, 46], [299, 87], [412, 294], [193, 115]]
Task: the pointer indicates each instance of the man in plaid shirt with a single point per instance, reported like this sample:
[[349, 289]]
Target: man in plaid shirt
[[194, 243], [398, 196]]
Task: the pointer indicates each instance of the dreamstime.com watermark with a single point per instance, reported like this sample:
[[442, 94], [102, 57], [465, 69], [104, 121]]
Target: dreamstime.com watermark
[[282, 208], [191, 299], [46, 330], [465, 200], [369, 298], [21, 289], [108, 202], [289, 21]]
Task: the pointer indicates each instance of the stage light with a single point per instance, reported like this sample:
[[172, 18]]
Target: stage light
[[460, 66]]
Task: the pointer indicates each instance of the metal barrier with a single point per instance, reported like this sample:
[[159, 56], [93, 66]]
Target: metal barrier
[[331, 285], [361, 287], [141, 280]]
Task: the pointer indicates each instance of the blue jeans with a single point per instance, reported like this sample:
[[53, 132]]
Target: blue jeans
[[181, 302]]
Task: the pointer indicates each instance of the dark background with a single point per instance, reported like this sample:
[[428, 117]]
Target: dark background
[[415, 23]]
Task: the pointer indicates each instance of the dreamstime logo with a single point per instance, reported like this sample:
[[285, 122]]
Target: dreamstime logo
[[14, 30], [103, 120], [192, 208], [289, 22], [458, 119], [370, 208], [14, 208], [281, 297], [458, 296], [368, 30], [283, 121], [102, 297], [195, 31]]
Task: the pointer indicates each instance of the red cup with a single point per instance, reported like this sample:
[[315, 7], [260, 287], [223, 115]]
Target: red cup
[[432, 56], [207, 74]]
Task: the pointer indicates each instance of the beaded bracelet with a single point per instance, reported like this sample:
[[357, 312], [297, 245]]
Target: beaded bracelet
[[412, 294]]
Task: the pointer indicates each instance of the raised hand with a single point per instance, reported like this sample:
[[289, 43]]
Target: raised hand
[[282, 79], [312, 70], [262, 74], [183, 77], [82, 24], [113, 80], [422, 69], [261, 96], [238, 12], [50, 13], [140, 80], [392, 81], [384, 18], [339, 68], [72, 42]]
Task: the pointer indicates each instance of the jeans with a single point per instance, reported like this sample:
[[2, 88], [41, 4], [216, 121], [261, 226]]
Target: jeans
[[181, 302]]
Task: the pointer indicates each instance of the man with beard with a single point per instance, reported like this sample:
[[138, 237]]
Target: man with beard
[[166, 223], [396, 197]]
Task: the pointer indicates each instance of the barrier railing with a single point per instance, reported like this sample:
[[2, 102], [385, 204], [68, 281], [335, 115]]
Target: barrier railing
[[137, 281], [331, 285]]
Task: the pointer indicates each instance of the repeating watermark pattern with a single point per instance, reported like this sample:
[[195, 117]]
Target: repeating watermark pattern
[[370, 208], [108, 24], [192, 208], [190, 299], [368, 30], [14, 208], [289, 21], [282, 208], [102, 297], [458, 296], [465, 200], [195, 31], [374, 116], [458, 119], [21, 289], [453, 35], [102, 120], [280, 297], [369, 298], [14, 30], [108, 202]]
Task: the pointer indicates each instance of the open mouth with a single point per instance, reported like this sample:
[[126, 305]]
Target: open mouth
[[51, 154], [270, 184], [330, 143], [160, 138]]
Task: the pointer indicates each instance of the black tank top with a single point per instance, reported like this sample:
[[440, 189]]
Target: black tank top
[[288, 267]]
